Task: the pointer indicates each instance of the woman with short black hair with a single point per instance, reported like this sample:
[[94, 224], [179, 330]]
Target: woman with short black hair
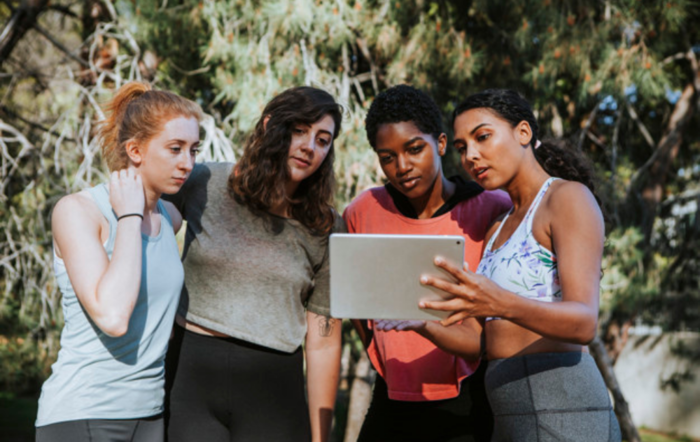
[[430, 384]]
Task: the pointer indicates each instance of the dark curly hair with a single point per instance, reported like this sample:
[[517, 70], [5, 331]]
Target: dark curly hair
[[259, 178], [403, 103], [556, 157]]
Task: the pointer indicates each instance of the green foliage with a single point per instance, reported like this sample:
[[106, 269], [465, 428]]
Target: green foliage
[[25, 365], [648, 436], [627, 283], [601, 73]]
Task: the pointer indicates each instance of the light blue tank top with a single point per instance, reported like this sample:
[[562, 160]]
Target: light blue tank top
[[522, 265], [100, 377]]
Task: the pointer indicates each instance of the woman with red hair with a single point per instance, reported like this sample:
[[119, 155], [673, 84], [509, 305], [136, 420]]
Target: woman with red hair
[[118, 268]]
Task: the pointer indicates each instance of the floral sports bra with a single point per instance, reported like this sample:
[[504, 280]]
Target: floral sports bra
[[522, 265]]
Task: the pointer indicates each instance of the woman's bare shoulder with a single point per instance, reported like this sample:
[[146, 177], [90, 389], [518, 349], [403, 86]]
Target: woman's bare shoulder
[[572, 205], [571, 197], [76, 209]]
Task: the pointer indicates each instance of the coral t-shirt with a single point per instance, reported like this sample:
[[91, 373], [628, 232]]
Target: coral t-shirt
[[412, 366]]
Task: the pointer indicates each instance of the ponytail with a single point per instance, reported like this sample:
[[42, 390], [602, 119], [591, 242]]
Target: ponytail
[[137, 112], [109, 130], [559, 159]]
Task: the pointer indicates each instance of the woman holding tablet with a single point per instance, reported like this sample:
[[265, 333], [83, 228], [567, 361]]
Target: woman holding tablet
[[256, 284], [423, 392], [118, 267], [537, 284]]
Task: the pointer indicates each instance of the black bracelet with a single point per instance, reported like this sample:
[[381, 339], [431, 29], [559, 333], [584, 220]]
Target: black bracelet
[[130, 214]]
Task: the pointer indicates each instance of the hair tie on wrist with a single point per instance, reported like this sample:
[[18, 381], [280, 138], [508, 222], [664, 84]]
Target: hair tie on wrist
[[538, 144], [130, 214]]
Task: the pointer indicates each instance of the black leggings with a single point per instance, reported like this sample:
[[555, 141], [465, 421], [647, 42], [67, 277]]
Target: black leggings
[[225, 389], [466, 418], [103, 430]]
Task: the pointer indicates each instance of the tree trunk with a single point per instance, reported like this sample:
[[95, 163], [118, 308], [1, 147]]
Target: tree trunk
[[662, 159], [22, 20], [616, 335], [622, 411], [360, 397]]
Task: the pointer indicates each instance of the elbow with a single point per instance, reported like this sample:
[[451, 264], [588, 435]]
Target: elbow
[[587, 338], [329, 349], [585, 334], [114, 326]]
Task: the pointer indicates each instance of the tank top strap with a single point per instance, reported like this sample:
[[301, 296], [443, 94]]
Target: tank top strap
[[164, 215], [495, 235], [536, 203], [100, 194]]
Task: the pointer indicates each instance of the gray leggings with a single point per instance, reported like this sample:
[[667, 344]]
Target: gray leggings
[[550, 397], [104, 430]]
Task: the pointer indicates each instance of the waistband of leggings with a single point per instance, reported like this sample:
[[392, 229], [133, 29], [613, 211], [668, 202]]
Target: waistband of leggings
[[225, 341]]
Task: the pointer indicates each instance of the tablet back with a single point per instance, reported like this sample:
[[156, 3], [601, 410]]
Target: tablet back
[[378, 276]]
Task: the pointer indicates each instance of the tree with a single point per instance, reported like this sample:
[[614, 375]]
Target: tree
[[618, 78]]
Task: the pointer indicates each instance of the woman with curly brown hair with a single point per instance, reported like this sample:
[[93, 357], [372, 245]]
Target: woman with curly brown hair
[[537, 285], [256, 277]]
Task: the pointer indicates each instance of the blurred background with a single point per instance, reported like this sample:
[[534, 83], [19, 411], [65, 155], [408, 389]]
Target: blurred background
[[619, 79]]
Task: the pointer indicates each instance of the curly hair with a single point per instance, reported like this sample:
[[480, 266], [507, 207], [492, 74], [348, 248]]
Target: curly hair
[[403, 103], [260, 176], [138, 112], [556, 157]]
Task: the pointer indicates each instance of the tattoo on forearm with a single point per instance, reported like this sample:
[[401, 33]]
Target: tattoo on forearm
[[325, 325]]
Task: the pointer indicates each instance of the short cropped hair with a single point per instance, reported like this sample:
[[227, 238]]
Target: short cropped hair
[[403, 103]]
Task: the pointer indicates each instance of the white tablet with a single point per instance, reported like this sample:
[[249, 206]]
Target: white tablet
[[378, 276]]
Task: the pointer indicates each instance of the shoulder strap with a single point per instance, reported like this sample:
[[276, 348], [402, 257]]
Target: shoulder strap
[[100, 194], [164, 215], [536, 203], [495, 235]]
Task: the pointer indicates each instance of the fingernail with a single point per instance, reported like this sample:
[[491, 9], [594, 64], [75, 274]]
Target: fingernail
[[439, 260], [424, 279]]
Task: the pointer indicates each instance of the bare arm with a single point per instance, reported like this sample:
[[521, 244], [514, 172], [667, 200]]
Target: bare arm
[[323, 348], [107, 289], [577, 234], [463, 339]]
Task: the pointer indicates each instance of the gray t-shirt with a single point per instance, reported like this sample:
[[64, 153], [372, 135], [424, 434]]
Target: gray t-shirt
[[250, 276]]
